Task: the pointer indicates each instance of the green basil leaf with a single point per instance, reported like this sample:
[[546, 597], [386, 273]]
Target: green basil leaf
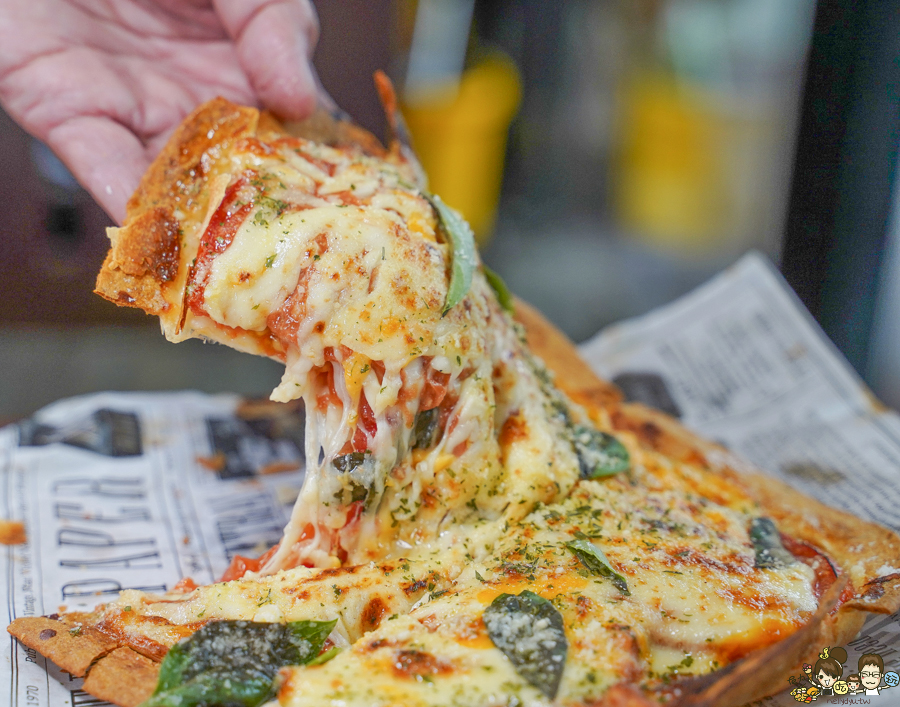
[[767, 544], [462, 244], [234, 662], [239, 688], [427, 429], [504, 296], [597, 563], [172, 668], [529, 631], [599, 454], [325, 657], [348, 462], [309, 637]]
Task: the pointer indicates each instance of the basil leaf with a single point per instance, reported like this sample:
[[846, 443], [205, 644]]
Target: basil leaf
[[504, 296], [462, 243], [234, 662], [309, 637], [596, 562], [325, 657], [240, 688], [599, 454], [767, 543], [348, 462], [426, 428], [172, 668], [529, 631]]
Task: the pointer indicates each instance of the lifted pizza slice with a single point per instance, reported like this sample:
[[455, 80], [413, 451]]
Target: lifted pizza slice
[[423, 407]]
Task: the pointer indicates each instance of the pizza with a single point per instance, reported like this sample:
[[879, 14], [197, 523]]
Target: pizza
[[482, 520]]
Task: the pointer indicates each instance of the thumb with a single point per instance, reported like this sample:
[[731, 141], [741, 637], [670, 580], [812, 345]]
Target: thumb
[[274, 40]]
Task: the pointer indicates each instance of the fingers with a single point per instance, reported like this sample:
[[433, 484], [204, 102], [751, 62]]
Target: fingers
[[275, 40], [105, 156]]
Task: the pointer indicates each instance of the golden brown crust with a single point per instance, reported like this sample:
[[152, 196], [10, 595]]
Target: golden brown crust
[[765, 671], [861, 549], [123, 677], [147, 264], [69, 640], [573, 375], [147, 260], [177, 172]]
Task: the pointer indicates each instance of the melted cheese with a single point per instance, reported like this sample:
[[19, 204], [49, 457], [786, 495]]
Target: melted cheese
[[338, 264], [695, 599]]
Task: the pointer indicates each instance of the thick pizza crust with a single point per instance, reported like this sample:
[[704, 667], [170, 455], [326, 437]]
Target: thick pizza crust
[[107, 678], [69, 640], [149, 258], [147, 264]]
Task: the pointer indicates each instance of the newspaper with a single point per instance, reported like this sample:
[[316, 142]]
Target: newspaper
[[139, 490], [122, 491]]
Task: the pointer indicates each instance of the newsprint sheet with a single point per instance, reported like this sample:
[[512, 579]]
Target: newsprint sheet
[[139, 490]]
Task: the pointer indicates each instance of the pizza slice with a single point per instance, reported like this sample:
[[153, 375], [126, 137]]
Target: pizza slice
[[473, 528], [421, 400]]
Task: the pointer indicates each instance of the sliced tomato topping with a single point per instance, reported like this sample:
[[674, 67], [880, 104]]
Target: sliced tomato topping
[[435, 389], [240, 565], [825, 572], [354, 511], [327, 395], [326, 167], [447, 406], [347, 533], [255, 146], [360, 442], [285, 321], [185, 585], [461, 448], [366, 426], [222, 228], [348, 198]]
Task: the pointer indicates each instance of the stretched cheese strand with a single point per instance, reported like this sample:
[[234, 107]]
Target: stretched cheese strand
[[336, 261]]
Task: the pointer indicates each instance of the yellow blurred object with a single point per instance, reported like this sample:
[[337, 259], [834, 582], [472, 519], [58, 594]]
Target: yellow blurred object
[[670, 181], [460, 138], [697, 168]]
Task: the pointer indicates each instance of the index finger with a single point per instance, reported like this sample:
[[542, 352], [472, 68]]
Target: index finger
[[274, 41], [104, 156]]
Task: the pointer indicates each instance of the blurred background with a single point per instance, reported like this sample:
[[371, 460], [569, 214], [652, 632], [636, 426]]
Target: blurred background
[[610, 154]]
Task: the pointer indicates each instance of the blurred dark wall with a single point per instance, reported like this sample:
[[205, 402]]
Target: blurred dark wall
[[844, 173], [355, 42], [53, 242]]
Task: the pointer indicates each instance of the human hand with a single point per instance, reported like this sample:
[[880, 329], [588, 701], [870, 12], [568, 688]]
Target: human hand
[[104, 82]]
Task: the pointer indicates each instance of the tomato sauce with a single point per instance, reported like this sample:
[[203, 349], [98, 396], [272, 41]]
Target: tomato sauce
[[222, 228], [240, 565]]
